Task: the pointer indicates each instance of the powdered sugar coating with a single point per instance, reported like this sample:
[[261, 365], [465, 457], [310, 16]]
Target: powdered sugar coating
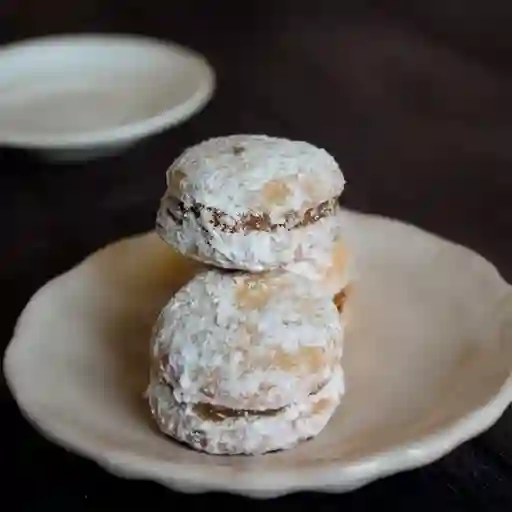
[[247, 341], [331, 267], [254, 251], [249, 434], [255, 173]]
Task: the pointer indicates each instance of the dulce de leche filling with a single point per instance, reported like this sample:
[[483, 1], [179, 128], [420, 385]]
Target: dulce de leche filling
[[247, 222], [218, 413], [339, 299]]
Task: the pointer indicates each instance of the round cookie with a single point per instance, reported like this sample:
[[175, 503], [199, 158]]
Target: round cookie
[[250, 202], [250, 342], [224, 431]]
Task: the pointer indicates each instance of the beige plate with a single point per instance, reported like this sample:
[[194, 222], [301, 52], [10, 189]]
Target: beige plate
[[428, 362]]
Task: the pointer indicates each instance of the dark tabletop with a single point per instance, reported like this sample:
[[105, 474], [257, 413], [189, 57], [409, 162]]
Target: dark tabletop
[[414, 98]]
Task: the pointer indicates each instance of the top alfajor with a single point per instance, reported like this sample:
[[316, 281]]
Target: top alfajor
[[251, 202]]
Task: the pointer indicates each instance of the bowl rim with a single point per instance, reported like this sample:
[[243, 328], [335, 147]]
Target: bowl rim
[[130, 131]]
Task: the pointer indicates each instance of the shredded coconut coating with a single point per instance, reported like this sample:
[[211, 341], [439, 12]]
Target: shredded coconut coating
[[255, 173], [247, 341], [249, 434]]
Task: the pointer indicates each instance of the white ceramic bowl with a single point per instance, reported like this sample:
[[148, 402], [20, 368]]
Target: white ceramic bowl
[[81, 96], [428, 361]]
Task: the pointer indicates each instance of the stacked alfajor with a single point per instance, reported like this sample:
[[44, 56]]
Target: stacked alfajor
[[246, 357]]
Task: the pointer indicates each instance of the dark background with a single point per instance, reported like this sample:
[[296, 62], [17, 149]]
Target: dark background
[[414, 99]]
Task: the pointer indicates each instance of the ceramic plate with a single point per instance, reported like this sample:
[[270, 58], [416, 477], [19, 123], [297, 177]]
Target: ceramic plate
[[428, 361], [89, 94]]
